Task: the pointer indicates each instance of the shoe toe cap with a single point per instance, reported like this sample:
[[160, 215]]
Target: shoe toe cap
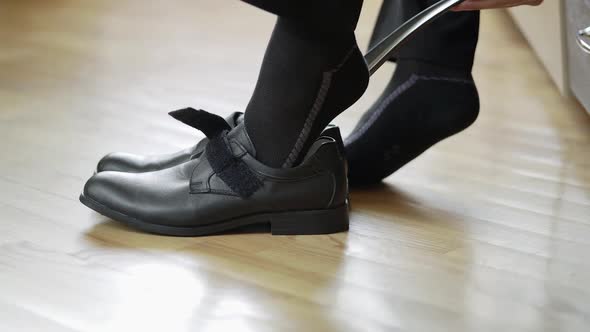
[[107, 188], [153, 197], [118, 162]]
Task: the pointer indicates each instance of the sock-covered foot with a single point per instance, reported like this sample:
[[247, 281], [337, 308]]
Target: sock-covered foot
[[309, 75], [422, 105]]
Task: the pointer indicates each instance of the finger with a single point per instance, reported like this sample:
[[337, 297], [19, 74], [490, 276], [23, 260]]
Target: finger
[[488, 4]]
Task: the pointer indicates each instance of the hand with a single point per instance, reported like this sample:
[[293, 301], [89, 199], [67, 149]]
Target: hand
[[487, 4]]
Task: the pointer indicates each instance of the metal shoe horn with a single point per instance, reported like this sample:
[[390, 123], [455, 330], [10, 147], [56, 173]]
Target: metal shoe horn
[[379, 54]]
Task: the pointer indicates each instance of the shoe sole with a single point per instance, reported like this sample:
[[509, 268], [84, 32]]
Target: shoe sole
[[302, 222]]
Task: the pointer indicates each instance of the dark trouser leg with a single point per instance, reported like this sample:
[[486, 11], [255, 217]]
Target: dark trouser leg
[[430, 97], [325, 14], [450, 40], [311, 72]]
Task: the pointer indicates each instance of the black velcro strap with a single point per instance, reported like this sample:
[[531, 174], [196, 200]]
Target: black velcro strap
[[231, 170], [210, 124]]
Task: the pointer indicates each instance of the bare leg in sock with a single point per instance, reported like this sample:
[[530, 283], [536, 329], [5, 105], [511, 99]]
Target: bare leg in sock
[[312, 71], [430, 97]]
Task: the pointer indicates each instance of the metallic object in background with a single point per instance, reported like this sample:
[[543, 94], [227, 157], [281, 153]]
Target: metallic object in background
[[379, 54], [577, 19], [583, 39]]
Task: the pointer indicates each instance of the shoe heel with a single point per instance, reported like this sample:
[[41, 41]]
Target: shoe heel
[[310, 222]]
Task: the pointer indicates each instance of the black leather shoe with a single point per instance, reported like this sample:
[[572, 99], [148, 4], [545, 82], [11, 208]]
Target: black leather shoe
[[227, 188], [132, 163]]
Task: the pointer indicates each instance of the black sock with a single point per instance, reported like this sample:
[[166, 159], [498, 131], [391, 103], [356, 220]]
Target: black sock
[[422, 105], [309, 75]]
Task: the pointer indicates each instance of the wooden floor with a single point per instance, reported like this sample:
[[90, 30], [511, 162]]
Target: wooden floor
[[488, 231]]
